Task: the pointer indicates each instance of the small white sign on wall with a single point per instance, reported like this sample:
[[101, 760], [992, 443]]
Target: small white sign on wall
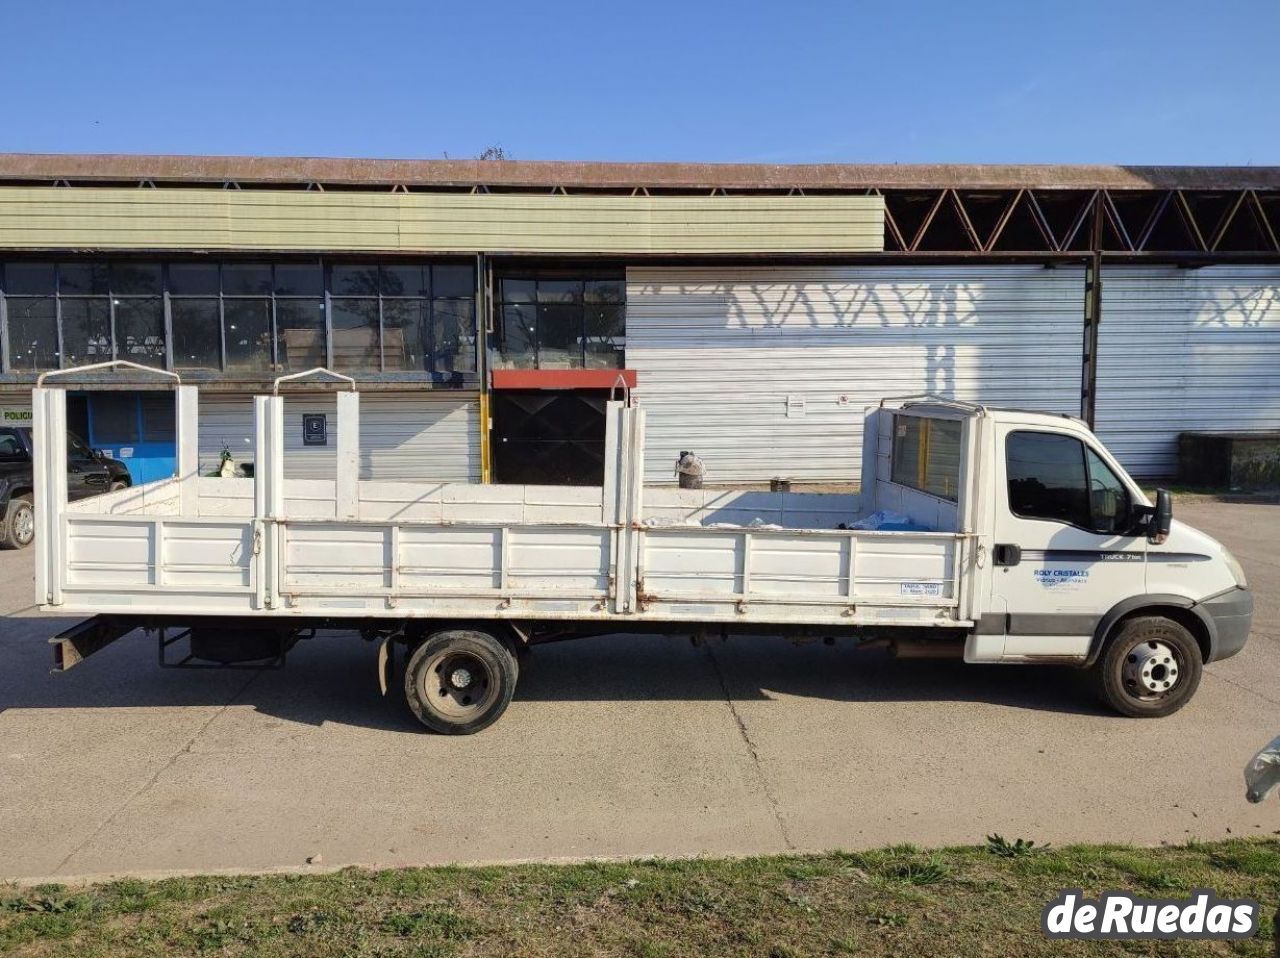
[[795, 406]]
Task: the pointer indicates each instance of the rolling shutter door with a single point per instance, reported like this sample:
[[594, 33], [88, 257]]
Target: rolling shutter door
[[767, 371], [1185, 350], [401, 437]]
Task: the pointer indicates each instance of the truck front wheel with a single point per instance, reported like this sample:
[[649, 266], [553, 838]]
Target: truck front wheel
[[460, 681], [1150, 668]]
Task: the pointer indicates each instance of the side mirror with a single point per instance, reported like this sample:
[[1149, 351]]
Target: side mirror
[[1161, 517]]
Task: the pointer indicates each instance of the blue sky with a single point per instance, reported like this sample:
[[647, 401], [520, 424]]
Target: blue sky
[[1036, 81]]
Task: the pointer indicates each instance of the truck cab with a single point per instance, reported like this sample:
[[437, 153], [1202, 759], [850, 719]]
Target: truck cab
[[1072, 562]]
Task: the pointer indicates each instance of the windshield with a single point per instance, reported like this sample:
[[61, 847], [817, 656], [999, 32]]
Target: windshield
[[76, 447]]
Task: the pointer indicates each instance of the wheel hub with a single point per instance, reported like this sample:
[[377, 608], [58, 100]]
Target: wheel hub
[[461, 683], [24, 525], [1151, 668]]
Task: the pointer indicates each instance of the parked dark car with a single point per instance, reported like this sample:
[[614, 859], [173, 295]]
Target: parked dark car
[[88, 473]]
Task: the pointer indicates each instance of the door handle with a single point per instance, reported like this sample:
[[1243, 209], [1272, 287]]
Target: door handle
[[1006, 554]]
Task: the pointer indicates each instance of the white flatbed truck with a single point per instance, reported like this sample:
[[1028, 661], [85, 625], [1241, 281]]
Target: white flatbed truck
[[1019, 539]]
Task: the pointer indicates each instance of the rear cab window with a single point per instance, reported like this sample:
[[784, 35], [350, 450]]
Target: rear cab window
[[926, 455]]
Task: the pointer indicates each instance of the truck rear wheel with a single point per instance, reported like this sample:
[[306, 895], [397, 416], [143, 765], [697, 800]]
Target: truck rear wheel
[[18, 526], [460, 681], [1150, 668]]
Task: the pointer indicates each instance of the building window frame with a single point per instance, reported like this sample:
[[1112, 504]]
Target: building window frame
[[583, 279], [429, 368]]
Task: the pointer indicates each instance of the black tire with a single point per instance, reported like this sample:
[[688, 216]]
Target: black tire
[[18, 529], [460, 681], [118, 485], [1150, 668]]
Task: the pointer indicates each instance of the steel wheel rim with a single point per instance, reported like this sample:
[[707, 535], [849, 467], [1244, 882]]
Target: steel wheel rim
[[458, 684], [24, 525], [1152, 670]]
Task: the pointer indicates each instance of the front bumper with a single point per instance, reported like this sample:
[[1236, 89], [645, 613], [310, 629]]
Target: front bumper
[[1231, 614]]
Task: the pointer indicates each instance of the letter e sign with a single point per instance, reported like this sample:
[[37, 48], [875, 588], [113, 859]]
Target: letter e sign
[[315, 429]]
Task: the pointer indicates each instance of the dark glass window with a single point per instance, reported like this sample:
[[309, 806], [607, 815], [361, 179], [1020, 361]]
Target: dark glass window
[[135, 279], [402, 280], [300, 323], [554, 321], [559, 335], [248, 334], [140, 330], [84, 279], [246, 279], [397, 316], [193, 279], [197, 335], [29, 279], [926, 455], [452, 282], [1047, 479], [516, 290], [355, 280], [86, 330], [605, 335], [33, 333], [356, 346], [402, 323], [451, 336], [384, 317], [158, 417], [517, 341], [299, 279], [115, 418]]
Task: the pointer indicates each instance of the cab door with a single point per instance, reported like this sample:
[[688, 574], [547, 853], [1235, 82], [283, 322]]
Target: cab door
[[1064, 550]]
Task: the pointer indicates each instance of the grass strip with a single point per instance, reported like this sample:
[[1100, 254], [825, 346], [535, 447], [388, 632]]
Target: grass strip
[[983, 900]]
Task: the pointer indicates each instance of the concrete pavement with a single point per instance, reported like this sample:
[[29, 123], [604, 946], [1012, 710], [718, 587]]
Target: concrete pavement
[[617, 746]]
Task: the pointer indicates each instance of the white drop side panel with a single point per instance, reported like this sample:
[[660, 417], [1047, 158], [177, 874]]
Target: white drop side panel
[[766, 371], [1185, 350], [417, 437]]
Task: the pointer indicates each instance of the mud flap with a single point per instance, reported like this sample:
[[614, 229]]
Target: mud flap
[[386, 664]]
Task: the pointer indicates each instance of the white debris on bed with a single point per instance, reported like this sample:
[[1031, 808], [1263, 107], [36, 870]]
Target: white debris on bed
[[665, 522], [885, 519]]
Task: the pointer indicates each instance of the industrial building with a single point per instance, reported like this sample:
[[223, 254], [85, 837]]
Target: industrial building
[[488, 308]]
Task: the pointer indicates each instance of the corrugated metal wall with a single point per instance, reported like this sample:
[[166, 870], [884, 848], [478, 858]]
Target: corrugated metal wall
[[401, 437], [117, 218], [1184, 350], [766, 371]]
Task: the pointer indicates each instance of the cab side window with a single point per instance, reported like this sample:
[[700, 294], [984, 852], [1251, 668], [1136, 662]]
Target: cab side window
[[1108, 498], [1058, 478]]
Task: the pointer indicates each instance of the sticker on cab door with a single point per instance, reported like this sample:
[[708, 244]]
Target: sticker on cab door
[[1062, 580], [920, 588]]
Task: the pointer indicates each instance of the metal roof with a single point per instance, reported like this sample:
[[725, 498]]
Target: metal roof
[[339, 172]]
